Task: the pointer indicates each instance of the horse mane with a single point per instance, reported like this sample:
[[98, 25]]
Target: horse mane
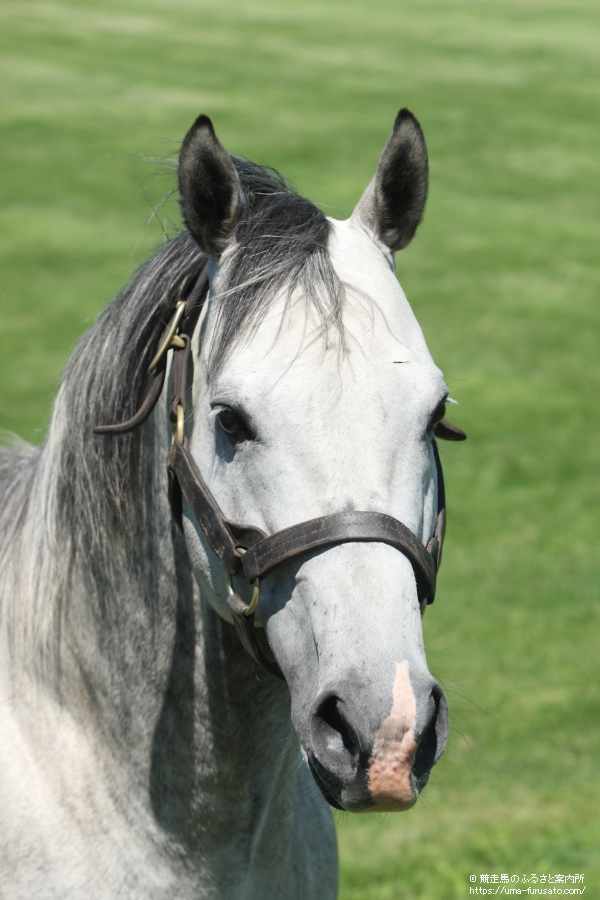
[[77, 512], [80, 506]]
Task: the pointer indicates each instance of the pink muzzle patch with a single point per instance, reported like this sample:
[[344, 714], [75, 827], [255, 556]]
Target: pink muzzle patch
[[394, 750]]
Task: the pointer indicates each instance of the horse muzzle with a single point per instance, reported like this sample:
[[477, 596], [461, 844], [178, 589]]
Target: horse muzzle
[[384, 772]]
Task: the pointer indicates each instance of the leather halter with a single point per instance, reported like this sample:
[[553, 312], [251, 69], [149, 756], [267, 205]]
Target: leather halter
[[245, 549]]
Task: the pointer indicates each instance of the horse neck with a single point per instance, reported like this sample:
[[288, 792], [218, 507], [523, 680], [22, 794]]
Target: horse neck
[[109, 626]]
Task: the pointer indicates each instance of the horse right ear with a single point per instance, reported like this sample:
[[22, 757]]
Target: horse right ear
[[209, 188], [392, 205]]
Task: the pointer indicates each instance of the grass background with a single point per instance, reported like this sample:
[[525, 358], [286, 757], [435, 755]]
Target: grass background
[[503, 276]]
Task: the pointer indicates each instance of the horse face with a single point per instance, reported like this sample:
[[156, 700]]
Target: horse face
[[294, 426]]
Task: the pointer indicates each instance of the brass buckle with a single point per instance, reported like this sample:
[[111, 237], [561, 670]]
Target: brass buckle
[[179, 428]]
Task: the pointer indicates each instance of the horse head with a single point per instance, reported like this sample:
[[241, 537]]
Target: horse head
[[314, 394]]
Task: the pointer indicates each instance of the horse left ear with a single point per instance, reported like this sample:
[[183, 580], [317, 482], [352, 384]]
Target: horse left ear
[[392, 205], [209, 188]]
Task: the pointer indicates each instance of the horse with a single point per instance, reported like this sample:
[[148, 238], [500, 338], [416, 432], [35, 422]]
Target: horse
[[211, 592]]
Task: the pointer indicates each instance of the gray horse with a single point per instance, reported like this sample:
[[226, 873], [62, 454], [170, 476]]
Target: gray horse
[[143, 752]]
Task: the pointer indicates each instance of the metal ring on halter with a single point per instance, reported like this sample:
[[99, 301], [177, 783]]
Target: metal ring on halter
[[168, 341], [255, 591]]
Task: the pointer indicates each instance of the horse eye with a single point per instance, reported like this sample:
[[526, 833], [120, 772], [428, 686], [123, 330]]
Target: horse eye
[[231, 422], [438, 415]]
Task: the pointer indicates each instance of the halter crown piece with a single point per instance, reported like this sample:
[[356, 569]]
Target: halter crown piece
[[245, 549]]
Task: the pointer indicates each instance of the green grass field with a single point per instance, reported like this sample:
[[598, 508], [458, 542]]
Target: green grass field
[[504, 276]]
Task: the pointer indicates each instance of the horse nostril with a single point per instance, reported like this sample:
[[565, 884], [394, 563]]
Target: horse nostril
[[433, 737], [335, 729], [334, 741]]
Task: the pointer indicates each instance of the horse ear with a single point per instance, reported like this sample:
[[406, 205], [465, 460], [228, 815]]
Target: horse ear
[[209, 188], [392, 205]]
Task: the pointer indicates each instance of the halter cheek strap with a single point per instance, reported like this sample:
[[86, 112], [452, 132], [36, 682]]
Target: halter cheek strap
[[245, 549]]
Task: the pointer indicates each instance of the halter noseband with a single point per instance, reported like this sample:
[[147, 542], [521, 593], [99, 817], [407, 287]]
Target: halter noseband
[[245, 549]]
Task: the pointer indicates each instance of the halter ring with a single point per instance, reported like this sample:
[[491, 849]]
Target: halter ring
[[251, 609]]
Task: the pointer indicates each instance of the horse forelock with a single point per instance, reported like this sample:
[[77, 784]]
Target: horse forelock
[[280, 244]]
